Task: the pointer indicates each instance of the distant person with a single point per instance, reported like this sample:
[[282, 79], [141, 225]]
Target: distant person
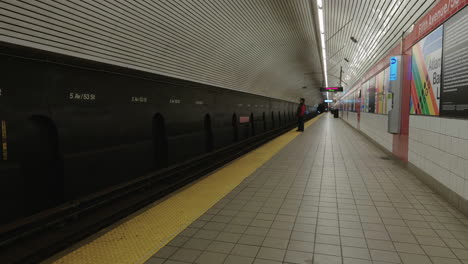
[[301, 109]]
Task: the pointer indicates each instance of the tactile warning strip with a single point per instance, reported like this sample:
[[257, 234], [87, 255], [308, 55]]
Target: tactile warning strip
[[137, 239]]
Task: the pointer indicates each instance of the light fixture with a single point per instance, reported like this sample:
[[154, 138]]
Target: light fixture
[[322, 40]]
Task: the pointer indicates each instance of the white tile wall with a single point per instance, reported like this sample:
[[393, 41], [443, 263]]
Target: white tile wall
[[439, 146], [375, 126], [350, 118]]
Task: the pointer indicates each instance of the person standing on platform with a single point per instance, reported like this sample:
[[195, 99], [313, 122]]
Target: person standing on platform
[[301, 109]]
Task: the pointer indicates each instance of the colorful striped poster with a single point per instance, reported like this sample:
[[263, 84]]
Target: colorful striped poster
[[380, 93], [426, 68], [388, 94]]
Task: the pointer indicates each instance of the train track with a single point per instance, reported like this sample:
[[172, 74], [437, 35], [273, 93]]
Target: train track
[[36, 238]]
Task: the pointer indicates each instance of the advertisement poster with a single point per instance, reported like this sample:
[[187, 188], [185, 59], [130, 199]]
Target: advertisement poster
[[388, 94], [364, 97], [454, 94], [357, 100], [371, 93], [379, 93], [426, 68]]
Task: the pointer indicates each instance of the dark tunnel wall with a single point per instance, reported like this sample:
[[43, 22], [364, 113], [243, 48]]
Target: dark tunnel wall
[[76, 126]]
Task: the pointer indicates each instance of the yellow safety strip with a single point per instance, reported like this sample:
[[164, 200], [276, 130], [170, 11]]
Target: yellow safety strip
[[4, 141], [140, 237]]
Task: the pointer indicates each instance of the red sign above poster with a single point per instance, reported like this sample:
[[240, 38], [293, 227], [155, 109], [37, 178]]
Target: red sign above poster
[[443, 10]]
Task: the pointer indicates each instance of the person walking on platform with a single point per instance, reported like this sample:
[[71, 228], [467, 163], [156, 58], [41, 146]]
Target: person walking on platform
[[301, 109]]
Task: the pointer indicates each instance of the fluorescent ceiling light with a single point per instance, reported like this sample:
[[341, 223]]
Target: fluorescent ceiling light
[[321, 26], [322, 40], [320, 3]]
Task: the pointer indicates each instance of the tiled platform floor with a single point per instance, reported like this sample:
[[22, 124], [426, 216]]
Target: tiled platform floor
[[329, 197]]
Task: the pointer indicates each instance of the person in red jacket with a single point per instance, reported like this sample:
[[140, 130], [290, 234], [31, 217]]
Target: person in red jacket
[[301, 109]]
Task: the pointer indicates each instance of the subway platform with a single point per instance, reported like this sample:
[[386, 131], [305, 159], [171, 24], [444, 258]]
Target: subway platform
[[327, 196]]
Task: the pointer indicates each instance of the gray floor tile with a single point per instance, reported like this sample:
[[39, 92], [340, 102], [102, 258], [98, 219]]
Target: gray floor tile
[[186, 255], [261, 223], [327, 249], [356, 261], [154, 260], [304, 228], [439, 260], [178, 241], [273, 242], [165, 252], [298, 257], [303, 246], [245, 250], [438, 251], [251, 240], [207, 234], [285, 218], [327, 239], [403, 238], [377, 235], [353, 242], [232, 228], [317, 194], [189, 232], [461, 253], [197, 243], [353, 252], [430, 241], [279, 233], [271, 254], [211, 258], [303, 236], [282, 225], [414, 259], [228, 237], [327, 259], [214, 226], [350, 232], [220, 247], [231, 259], [265, 261], [386, 256], [170, 261], [408, 248], [380, 244]]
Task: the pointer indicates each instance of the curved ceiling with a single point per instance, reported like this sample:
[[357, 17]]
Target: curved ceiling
[[376, 25], [266, 47]]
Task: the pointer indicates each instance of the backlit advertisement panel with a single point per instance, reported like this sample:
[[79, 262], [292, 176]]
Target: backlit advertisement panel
[[454, 93], [380, 94], [426, 66]]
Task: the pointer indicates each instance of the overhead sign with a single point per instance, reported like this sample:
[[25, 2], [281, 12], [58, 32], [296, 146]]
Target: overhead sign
[[393, 68], [331, 89], [328, 101]]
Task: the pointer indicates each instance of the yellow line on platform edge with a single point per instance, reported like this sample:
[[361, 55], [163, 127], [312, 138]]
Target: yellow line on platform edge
[[137, 239]]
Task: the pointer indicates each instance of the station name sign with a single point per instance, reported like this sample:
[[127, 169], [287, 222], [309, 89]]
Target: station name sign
[[331, 89]]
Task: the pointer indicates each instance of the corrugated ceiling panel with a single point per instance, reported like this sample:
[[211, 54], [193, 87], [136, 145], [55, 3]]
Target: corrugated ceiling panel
[[376, 24], [265, 47]]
